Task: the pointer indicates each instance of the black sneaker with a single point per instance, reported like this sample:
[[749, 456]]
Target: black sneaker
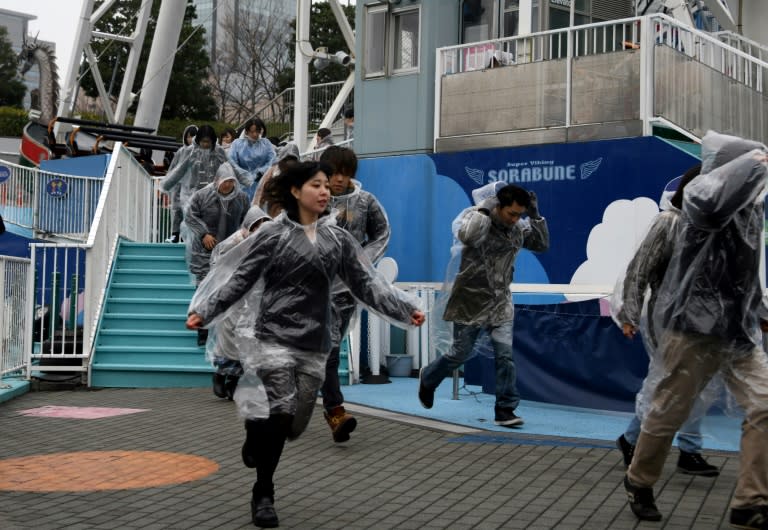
[[694, 464], [506, 417], [755, 518], [641, 502], [426, 396], [263, 512], [626, 448]]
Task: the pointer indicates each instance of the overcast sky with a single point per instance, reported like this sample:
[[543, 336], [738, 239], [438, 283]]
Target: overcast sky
[[56, 22]]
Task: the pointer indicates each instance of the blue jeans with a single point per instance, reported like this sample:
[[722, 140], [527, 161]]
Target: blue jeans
[[689, 437], [464, 338]]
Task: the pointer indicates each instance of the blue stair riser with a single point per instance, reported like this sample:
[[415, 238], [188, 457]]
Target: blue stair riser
[[177, 277], [149, 379], [152, 250], [151, 360], [148, 290], [157, 263], [139, 305], [177, 336], [132, 321]]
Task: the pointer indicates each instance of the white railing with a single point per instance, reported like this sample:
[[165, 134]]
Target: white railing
[[750, 47], [13, 275], [72, 278], [666, 49], [48, 203]]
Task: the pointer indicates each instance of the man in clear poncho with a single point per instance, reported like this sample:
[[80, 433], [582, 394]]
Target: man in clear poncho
[[491, 235], [194, 167], [709, 314], [224, 351], [646, 272], [359, 213]]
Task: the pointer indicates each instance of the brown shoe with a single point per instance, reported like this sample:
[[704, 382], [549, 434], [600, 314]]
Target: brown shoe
[[341, 423]]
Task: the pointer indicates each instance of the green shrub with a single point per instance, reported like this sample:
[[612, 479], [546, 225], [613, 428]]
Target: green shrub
[[12, 121]]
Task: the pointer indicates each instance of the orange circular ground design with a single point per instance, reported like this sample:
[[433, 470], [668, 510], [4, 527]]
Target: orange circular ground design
[[101, 470]]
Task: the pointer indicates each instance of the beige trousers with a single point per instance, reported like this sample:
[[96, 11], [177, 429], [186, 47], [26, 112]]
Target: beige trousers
[[690, 361]]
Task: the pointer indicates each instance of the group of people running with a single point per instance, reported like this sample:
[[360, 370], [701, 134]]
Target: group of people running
[[280, 272]]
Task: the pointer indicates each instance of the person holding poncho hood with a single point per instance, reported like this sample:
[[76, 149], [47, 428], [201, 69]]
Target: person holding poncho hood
[[224, 351], [213, 213], [709, 313]]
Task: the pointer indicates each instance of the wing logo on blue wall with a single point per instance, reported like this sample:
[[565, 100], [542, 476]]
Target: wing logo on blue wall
[[587, 168], [534, 171], [475, 174]]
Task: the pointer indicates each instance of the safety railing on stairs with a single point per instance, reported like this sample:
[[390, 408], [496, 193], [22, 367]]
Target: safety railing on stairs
[[13, 281], [70, 280], [51, 204]]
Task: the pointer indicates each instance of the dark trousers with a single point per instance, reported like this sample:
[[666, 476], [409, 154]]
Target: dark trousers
[[331, 389], [264, 441]]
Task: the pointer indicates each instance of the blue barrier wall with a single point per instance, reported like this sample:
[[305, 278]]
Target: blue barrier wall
[[575, 183]]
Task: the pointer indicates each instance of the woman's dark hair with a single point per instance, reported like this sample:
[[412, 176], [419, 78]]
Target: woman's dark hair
[[342, 159], [511, 193], [259, 125], [206, 131], [323, 132], [229, 131], [189, 130], [677, 198], [295, 176]]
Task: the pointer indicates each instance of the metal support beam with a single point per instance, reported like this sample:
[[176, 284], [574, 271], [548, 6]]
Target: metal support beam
[[137, 43], [160, 63], [304, 54]]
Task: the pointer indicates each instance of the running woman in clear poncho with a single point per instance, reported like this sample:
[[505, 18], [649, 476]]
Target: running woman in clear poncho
[[294, 261], [708, 316], [645, 272], [223, 351], [188, 140]]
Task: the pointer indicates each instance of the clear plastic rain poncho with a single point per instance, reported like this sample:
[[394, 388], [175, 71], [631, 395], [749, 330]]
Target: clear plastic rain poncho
[[634, 298], [360, 214], [251, 158], [710, 302], [293, 267], [211, 212], [224, 343], [192, 168], [476, 288]]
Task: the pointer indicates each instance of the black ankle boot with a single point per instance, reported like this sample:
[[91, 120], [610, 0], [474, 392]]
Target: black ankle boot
[[219, 385], [263, 512]]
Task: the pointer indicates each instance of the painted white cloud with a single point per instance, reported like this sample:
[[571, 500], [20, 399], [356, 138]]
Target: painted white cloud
[[612, 243]]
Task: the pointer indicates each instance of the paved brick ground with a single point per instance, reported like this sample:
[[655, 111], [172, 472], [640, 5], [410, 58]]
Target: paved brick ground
[[391, 474]]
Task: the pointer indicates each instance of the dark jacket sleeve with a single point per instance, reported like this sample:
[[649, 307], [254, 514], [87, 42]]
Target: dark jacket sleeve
[[377, 231], [536, 236]]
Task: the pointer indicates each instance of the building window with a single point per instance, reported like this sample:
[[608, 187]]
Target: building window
[[406, 40], [375, 40], [391, 40]]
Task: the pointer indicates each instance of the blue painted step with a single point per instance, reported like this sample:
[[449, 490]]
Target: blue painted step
[[141, 340]]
